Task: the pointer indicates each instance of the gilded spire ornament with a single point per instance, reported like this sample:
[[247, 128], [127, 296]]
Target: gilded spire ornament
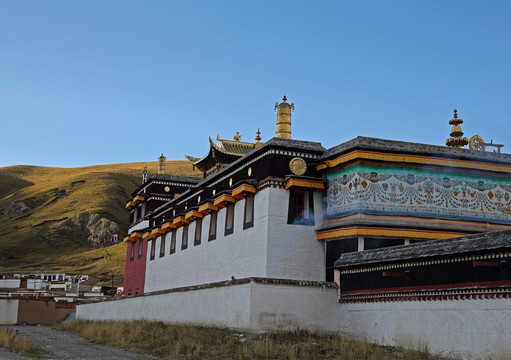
[[161, 164], [456, 140], [284, 118], [258, 138]]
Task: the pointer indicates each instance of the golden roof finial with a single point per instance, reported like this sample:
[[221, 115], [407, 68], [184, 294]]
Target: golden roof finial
[[456, 140], [237, 137], [161, 164], [258, 137], [284, 118]]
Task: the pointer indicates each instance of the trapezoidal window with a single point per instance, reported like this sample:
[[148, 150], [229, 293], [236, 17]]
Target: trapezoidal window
[[184, 241], [153, 241], [301, 207], [173, 241], [198, 230], [162, 245], [248, 220], [229, 219], [212, 225], [132, 254], [140, 248]]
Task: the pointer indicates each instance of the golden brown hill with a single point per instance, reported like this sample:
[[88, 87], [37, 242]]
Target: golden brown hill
[[50, 217]]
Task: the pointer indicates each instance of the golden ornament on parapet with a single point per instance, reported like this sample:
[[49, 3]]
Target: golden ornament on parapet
[[298, 166]]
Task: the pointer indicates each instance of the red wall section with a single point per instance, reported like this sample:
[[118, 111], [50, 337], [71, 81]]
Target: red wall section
[[134, 273]]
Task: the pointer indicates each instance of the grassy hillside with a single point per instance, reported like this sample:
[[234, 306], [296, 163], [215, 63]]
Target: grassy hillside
[[37, 202]]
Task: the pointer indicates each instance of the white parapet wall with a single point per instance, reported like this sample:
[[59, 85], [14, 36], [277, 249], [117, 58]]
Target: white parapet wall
[[8, 311], [249, 304], [470, 329]]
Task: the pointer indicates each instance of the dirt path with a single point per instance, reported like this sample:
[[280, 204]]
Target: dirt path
[[62, 345]]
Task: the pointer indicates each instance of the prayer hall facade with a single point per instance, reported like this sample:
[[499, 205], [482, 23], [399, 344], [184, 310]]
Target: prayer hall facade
[[371, 237]]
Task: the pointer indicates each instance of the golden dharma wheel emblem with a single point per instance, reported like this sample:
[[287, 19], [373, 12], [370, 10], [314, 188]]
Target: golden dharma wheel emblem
[[298, 166], [477, 143], [167, 189]]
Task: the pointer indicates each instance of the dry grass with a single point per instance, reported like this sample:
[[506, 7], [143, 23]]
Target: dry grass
[[194, 342], [28, 240], [14, 342]]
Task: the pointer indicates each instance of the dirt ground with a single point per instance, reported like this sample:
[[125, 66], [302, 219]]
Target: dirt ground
[[61, 345]]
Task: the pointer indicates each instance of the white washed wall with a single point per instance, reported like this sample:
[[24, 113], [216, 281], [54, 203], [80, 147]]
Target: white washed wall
[[8, 311], [10, 283], [271, 248], [251, 306], [241, 254], [472, 329], [293, 251]]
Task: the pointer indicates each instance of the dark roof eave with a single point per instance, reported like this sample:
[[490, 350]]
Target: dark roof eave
[[428, 249], [368, 143]]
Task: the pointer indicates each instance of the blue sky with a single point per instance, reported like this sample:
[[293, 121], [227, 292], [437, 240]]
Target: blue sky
[[99, 82]]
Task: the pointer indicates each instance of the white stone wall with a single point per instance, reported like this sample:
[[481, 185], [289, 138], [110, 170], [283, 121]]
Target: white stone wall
[[293, 251], [10, 283], [472, 329], [271, 248], [248, 306], [8, 311], [140, 226]]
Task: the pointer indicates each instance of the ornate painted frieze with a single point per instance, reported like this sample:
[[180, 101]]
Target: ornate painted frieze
[[418, 192]]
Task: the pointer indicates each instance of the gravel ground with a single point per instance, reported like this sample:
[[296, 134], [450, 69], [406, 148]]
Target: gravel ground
[[62, 345]]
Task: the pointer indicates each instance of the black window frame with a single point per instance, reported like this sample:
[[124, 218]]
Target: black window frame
[[132, 252], [292, 217], [213, 224], [198, 232], [140, 248], [153, 246], [229, 212], [162, 245], [173, 241], [184, 237], [249, 205]]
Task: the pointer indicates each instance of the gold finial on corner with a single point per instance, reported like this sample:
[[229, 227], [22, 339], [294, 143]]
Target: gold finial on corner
[[456, 140], [237, 137], [217, 137]]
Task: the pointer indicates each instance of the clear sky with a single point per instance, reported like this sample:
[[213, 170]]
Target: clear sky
[[99, 82]]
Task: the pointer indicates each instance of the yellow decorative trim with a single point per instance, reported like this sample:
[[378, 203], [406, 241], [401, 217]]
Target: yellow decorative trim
[[244, 188], [129, 204], [138, 199], [134, 236], [156, 232], [180, 220], [126, 239], [146, 235], [167, 227], [302, 183], [387, 232], [222, 199], [371, 155], [421, 220], [192, 215], [207, 207]]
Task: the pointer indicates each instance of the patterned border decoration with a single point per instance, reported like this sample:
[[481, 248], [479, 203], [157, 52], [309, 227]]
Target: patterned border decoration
[[426, 262], [430, 295], [373, 189]]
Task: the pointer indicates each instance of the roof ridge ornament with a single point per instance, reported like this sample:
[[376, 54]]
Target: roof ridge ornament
[[456, 140], [258, 137], [284, 118]]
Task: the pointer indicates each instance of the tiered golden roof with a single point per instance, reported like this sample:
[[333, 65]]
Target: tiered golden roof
[[457, 140]]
